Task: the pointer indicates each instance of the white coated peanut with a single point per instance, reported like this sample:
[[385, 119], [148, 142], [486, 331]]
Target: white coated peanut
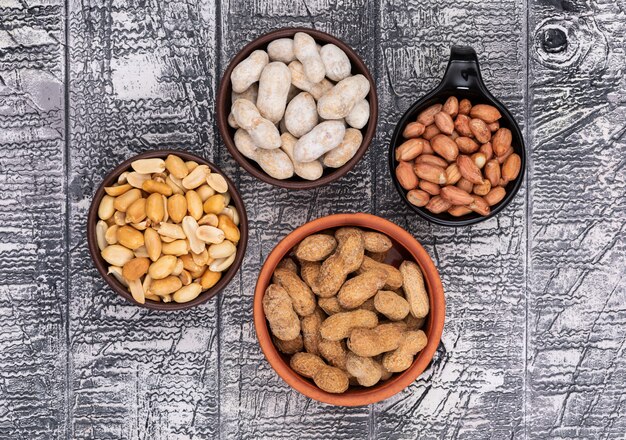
[[301, 115], [276, 163], [262, 131], [351, 142], [359, 115], [249, 94], [324, 137], [300, 81], [305, 49], [248, 71], [245, 144], [274, 87], [281, 50], [339, 101], [309, 170], [336, 62]]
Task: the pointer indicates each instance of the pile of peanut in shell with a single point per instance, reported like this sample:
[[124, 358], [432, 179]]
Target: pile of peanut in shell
[[297, 108], [457, 158], [167, 229], [346, 317]]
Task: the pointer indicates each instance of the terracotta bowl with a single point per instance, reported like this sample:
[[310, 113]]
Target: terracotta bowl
[[404, 247], [463, 80], [102, 265], [224, 103]]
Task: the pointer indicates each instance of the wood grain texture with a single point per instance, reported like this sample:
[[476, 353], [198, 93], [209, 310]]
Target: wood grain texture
[[141, 78], [533, 346], [255, 402], [32, 218], [576, 317], [474, 387]]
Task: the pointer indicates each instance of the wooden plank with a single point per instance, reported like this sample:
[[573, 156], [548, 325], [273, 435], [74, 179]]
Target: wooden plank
[[255, 402], [475, 386], [32, 214], [577, 365], [142, 78]]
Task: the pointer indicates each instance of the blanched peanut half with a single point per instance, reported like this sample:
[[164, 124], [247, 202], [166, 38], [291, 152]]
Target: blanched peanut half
[[324, 137], [148, 166], [106, 209], [197, 177], [221, 264], [301, 114], [231, 211], [187, 293], [136, 290], [194, 204], [205, 191], [339, 101], [263, 132], [137, 179], [165, 286], [163, 267], [153, 243], [360, 114], [276, 163], [171, 230], [101, 230], [336, 62], [310, 170], [210, 234], [222, 250], [228, 226], [248, 71], [117, 190], [305, 50], [111, 234], [177, 248], [190, 226], [176, 166], [117, 255], [346, 150], [117, 274], [281, 50], [274, 87], [301, 82], [217, 182], [122, 202], [208, 220]]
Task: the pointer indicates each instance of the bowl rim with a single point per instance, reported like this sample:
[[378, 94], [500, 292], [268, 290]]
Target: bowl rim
[[400, 381], [101, 265], [223, 97]]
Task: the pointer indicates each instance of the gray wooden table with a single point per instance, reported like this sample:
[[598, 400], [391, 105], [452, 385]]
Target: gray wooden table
[[534, 340]]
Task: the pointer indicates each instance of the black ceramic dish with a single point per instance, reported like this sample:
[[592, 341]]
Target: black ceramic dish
[[462, 79]]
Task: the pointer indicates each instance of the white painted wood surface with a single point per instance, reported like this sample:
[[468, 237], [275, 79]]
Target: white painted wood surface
[[534, 339]]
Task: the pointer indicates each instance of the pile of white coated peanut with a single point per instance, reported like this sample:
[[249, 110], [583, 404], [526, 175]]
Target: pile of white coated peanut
[[297, 108]]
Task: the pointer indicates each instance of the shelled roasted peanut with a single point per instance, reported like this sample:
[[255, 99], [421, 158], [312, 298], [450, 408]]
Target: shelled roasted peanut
[[456, 158], [167, 229], [297, 108], [347, 317]]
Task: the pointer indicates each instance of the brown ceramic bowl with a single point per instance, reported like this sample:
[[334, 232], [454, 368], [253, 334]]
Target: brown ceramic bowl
[[224, 103], [102, 265], [404, 247]]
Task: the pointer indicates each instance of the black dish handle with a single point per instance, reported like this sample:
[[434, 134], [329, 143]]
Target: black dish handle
[[463, 71]]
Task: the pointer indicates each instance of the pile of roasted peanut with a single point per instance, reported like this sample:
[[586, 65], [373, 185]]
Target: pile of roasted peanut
[[167, 230], [457, 158], [346, 316], [291, 105]]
